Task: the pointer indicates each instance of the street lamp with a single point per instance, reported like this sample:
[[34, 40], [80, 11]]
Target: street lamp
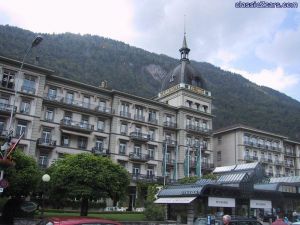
[[45, 179], [37, 40]]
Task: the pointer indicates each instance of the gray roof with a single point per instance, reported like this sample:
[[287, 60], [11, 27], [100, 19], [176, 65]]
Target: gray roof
[[181, 190], [205, 181], [246, 166], [294, 179], [222, 169], [233, 178], [266, 187]]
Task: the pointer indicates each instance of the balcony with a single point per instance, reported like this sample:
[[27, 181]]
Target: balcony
[[278, 163], [292, 154], [170, 124], [198, 129], [263, 160], [125, 114], [207, 166], [152, 120], [28, 89], [3, 133], [53, 98], [139, 157], [76, 126], [139, 117], [6, 109], [105, 110], [46, 143], [137, 136], [100, 151], [170, 142], [144, 177], [289, 165], [248, 158]]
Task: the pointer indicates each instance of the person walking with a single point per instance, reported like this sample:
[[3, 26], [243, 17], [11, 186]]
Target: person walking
[[226, 219]]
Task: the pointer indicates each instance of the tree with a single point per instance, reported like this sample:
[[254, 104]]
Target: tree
[[86, 177], [23, 179]]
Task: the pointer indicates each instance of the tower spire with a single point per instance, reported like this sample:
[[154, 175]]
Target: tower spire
[[184, 50]]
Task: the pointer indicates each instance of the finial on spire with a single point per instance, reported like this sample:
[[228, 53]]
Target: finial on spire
[[184, 49]]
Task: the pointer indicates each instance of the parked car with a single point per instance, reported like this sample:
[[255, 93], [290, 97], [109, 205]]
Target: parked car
[[234, 221], [76, 221]]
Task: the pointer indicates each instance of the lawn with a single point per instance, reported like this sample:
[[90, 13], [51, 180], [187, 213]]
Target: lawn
[[112, 216]]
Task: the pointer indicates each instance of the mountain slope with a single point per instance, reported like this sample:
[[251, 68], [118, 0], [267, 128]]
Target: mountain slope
[[91, 59]]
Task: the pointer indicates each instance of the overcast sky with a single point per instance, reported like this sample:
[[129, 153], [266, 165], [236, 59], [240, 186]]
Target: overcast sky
[[262, 44]]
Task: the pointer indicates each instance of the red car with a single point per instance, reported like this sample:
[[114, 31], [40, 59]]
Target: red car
[[77, 221]]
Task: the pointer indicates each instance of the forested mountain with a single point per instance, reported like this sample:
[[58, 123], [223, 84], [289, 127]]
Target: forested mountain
[[92, 59]]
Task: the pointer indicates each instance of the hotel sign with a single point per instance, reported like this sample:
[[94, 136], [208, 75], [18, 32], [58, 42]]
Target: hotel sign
[[221, 202], [194, 89], [260, 204]]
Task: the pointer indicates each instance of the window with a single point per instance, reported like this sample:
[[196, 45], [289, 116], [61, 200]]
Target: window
[[4, 104], [84, 121], [197, 106], [25, 107], [21, 128], [152, 116], [136, 168], [29, 84], [219, 156], [172, 78], [69, 97], [137, 150], [122, 148], [86, 102], [188, 141], [122, 163], [188, 121], [189, 103], [68, 117], [125, 107], [65, 140], [43, 161], [46, 135], [99, 144], [82, 142], [100, 125], [150, 171], [2, 124], [152, 134], [138, 130], [52, 92], [151, 151], [49, 115], [123, 129], [168, 119], [8, 79], [219, 140]]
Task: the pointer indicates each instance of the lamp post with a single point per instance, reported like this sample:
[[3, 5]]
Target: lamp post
[[45, 179], [37, 40]]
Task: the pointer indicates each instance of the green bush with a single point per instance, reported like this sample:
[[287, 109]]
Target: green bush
[[154, 212]]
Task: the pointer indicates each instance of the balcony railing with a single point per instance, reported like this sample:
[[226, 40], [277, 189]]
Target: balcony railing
[[52, 97], [170, 142], [270, 174], [248, 158], [6, 108], [289, 165], [290, 153], [125, 114], [152, 120], [144, 177], [170, 124], [278, 162], [138, 136], [28, 89], [263, 160], [78, 126], [198, 129], [100, 151], [262, 146], [46, 143], [104, 109], [139, 117], [139, 157]]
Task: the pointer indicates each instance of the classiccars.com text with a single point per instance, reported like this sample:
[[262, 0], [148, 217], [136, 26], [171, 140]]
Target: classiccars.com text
[[264, 4]]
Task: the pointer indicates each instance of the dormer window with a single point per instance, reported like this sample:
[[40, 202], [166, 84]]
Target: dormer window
[[172, 78]]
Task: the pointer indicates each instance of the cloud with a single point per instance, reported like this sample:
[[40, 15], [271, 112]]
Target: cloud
[[277, 78], [284, 49]]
